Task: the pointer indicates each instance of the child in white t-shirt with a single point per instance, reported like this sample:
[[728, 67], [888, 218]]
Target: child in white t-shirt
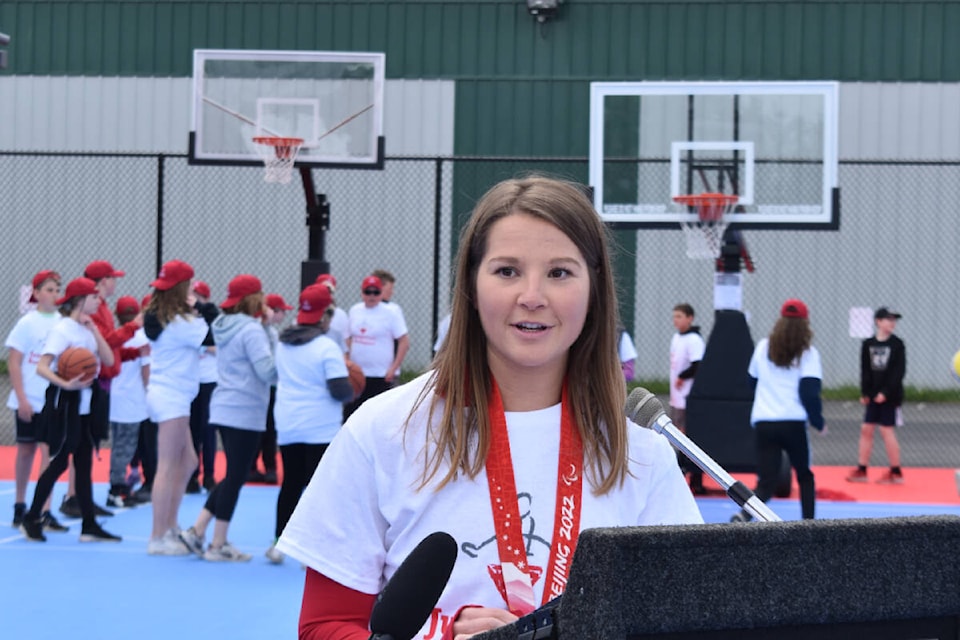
[[27, 396], [128, 408]]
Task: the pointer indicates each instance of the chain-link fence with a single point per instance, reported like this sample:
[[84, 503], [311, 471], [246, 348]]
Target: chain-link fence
[[895, 246]]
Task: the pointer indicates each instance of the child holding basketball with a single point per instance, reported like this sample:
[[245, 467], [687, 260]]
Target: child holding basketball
[[883, 364], [312, 386], [69, 422], [27, 396]]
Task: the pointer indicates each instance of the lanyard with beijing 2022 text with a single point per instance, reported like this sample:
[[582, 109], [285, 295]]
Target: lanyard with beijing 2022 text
[[517, 583]]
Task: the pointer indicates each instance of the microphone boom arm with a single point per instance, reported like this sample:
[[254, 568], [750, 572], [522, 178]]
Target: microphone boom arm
[[736, 490]]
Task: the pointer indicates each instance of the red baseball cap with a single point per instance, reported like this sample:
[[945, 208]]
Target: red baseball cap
[[202, 288], [327, 279], [40, 278], [99, 269], [276, 302], [239, 288], [794, 308], [372, 282], [314, 301], [171, 274], [127, 305], [78, 287]]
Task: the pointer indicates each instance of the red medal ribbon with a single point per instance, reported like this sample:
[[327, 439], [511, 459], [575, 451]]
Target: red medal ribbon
[[515, 580]]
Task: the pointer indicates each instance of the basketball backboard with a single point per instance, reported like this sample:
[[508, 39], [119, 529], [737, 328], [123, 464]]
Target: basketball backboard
[[773, 144], [331, 100]]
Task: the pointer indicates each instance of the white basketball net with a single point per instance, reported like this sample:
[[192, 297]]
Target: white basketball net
[[704, 239], [278, 156], [705, 235]]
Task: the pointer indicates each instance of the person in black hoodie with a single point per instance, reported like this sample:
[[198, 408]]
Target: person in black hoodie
[[883, 364]]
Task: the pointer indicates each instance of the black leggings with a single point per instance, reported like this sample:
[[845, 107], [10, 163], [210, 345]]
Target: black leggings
[[268, 441], [77, 442], [204, 436], [240, 446], [791, 436], [299, 462]]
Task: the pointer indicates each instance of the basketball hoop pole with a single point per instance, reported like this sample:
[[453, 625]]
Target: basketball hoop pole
[[318, 222]]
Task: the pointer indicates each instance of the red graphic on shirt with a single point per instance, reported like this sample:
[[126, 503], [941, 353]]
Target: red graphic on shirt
[[437, 625]]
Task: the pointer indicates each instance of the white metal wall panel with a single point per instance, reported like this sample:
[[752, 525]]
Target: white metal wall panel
[[899, 121], [152, 115]]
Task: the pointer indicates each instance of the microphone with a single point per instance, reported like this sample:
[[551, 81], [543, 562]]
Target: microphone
[[408, 598], [644, 409]]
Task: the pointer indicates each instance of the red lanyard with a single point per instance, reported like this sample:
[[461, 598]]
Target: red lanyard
[[514, 577]]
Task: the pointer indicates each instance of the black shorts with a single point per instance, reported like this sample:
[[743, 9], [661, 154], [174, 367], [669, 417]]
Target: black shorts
[[28, 431], [885, 414]]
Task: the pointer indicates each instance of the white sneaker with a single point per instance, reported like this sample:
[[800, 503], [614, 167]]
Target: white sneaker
[[169, 544], [193, 540], [226, 553], [274, 555]]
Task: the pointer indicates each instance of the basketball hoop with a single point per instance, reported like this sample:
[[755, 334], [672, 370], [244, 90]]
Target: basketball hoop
[[705, 235], [278, 155]]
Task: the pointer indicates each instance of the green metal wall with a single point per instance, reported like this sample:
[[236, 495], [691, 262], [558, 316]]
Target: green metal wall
[[848, 40]]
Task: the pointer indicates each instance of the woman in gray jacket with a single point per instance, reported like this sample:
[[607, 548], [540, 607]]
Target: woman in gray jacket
[[238, 409]]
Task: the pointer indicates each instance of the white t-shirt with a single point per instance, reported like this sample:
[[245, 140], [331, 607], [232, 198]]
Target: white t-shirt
[[70, 333], [778, 388], [685, 349], [368, 478], [627, 350], [339, 329], [208, 364], [28, 337], [128, 395], [174, 370], [304, 411], [373, 331]]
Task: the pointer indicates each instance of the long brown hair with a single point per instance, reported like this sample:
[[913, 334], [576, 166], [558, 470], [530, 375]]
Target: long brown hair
[[461, 380], [250, 304], [167, 304], [788, 340]]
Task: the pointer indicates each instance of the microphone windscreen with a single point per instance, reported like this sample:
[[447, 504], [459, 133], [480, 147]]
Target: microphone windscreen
[[643, 407], [412, 592]]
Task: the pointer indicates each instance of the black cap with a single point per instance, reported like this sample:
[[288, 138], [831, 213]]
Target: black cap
[[884, 312]]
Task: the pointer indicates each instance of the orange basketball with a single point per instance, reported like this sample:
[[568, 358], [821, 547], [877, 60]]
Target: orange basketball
[[77, 361], [357, 380]]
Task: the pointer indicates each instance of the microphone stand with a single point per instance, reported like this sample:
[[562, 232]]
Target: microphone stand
[[737, 491]]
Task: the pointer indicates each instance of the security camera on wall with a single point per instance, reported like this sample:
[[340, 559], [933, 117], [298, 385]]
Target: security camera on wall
[[4, 41]]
